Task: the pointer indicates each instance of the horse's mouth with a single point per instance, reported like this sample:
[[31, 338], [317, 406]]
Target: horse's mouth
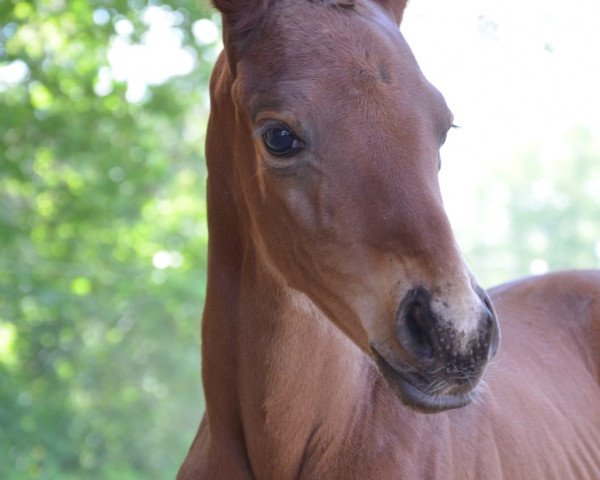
[[408, 387]]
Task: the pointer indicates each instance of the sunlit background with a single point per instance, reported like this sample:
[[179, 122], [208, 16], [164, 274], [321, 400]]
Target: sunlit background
[[521, 177], [103, 106]]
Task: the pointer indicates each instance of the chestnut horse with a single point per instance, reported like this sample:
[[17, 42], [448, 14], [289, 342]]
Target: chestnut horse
[[344, 337]]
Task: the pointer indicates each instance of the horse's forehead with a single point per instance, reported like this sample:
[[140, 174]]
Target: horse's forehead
[[347, 46]]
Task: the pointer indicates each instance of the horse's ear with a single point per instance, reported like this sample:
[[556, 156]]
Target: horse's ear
[[241, 16], [395, 7]]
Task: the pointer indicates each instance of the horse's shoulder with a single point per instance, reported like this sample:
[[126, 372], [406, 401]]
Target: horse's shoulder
[[548, 310]]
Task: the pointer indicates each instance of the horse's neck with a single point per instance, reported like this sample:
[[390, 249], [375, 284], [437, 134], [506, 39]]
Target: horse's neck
[[275, 368]]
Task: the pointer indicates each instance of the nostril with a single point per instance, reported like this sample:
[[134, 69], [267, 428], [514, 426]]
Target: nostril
[[494, 336], [416, 328], [491, 316], [488, 304]]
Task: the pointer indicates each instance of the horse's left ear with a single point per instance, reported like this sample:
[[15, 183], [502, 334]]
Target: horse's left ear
[[395, 7], [241, 16], [239, 19]]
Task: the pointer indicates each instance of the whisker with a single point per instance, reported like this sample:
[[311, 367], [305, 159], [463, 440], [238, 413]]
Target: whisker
[[433, 387], [436, 370], [429, 386], [436, 387], [442, 386]]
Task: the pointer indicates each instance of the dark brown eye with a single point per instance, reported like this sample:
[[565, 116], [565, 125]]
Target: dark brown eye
[[281, 141]]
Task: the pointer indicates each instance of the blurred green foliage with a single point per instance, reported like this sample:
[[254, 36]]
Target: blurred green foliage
[[539, 211], [102, 248], [103, 240]]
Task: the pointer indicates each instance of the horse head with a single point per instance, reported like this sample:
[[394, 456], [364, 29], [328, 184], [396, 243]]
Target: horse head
[[334, 146]]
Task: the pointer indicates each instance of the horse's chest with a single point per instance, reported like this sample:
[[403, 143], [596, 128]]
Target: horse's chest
[[465, 445]]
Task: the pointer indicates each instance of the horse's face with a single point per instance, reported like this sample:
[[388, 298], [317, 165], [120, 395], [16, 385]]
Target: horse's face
[[340, 136]]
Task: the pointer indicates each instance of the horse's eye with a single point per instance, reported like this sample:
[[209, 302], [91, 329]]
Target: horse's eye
[[280, 141]]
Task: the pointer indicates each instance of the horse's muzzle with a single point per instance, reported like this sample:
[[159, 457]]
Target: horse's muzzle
[[437, 367]]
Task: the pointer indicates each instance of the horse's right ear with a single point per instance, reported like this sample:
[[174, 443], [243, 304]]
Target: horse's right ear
[[395, 7]]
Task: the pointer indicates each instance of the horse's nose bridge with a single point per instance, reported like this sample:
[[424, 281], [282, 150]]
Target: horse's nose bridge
[[419, 225], [402, 205]]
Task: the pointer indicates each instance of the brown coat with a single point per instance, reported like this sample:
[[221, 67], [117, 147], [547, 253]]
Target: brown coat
[[331, 260]]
